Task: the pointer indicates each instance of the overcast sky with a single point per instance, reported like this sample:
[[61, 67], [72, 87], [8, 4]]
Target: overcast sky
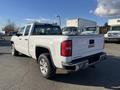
[[21, 10]]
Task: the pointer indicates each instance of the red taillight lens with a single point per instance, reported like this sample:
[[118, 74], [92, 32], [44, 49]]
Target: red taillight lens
[[66, 48]]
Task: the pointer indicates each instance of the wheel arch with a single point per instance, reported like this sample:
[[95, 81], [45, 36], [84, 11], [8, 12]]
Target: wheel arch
[[42, 49]]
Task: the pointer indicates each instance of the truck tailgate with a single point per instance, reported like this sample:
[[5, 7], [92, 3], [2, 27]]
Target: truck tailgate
[[87, 45]]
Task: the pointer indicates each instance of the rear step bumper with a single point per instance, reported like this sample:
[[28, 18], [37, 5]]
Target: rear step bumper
[[84, 63]]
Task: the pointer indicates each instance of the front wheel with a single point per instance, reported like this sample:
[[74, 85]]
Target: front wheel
[[46, 68], [14, 51]]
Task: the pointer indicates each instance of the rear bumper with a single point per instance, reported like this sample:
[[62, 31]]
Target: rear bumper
[[84, 63]]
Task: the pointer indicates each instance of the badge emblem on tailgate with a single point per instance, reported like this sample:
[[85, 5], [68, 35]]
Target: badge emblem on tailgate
[[91, 43]]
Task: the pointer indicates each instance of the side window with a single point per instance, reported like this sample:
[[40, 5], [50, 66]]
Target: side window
[[21, 31], [27, 30], [38, 30]]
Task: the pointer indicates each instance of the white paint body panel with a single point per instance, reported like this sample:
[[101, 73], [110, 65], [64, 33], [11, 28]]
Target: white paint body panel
[[53, 43]]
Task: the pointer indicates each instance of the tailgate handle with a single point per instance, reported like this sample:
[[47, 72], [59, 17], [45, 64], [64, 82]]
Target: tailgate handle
[[91, 41]]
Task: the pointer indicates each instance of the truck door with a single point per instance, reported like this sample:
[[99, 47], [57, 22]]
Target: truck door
[[25, 41], [18, 40]]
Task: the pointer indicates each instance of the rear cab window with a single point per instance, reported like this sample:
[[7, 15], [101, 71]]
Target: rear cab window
[[46, 30]]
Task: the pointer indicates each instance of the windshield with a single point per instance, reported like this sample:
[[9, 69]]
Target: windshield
[[72, 29], [90, 29], [115, 28], [47, 30]]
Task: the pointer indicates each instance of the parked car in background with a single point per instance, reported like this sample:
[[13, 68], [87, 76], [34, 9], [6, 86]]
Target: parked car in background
[[114, 33], [2, 33], [11, 33], [70, 31]]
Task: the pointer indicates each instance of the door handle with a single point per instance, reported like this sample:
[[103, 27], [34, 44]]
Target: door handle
[[26, 39]]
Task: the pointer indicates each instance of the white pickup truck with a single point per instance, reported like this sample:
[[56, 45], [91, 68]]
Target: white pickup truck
[[52, 50]]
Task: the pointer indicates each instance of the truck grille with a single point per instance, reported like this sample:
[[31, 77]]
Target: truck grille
[[112, 34]]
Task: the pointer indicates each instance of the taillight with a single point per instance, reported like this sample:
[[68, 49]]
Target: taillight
[[66, 48]]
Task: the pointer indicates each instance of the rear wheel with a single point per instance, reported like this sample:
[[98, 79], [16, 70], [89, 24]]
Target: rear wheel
[[46, 68], [14, 51]]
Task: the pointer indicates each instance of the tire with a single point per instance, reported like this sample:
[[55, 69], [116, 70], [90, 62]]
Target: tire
[[45, 65], [14, 51]]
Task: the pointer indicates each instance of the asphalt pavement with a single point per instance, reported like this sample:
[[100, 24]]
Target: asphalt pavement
[[22, 73]]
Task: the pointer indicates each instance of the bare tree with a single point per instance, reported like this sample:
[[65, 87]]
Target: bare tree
[[10, 27], [106, 24], [104, 29]]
